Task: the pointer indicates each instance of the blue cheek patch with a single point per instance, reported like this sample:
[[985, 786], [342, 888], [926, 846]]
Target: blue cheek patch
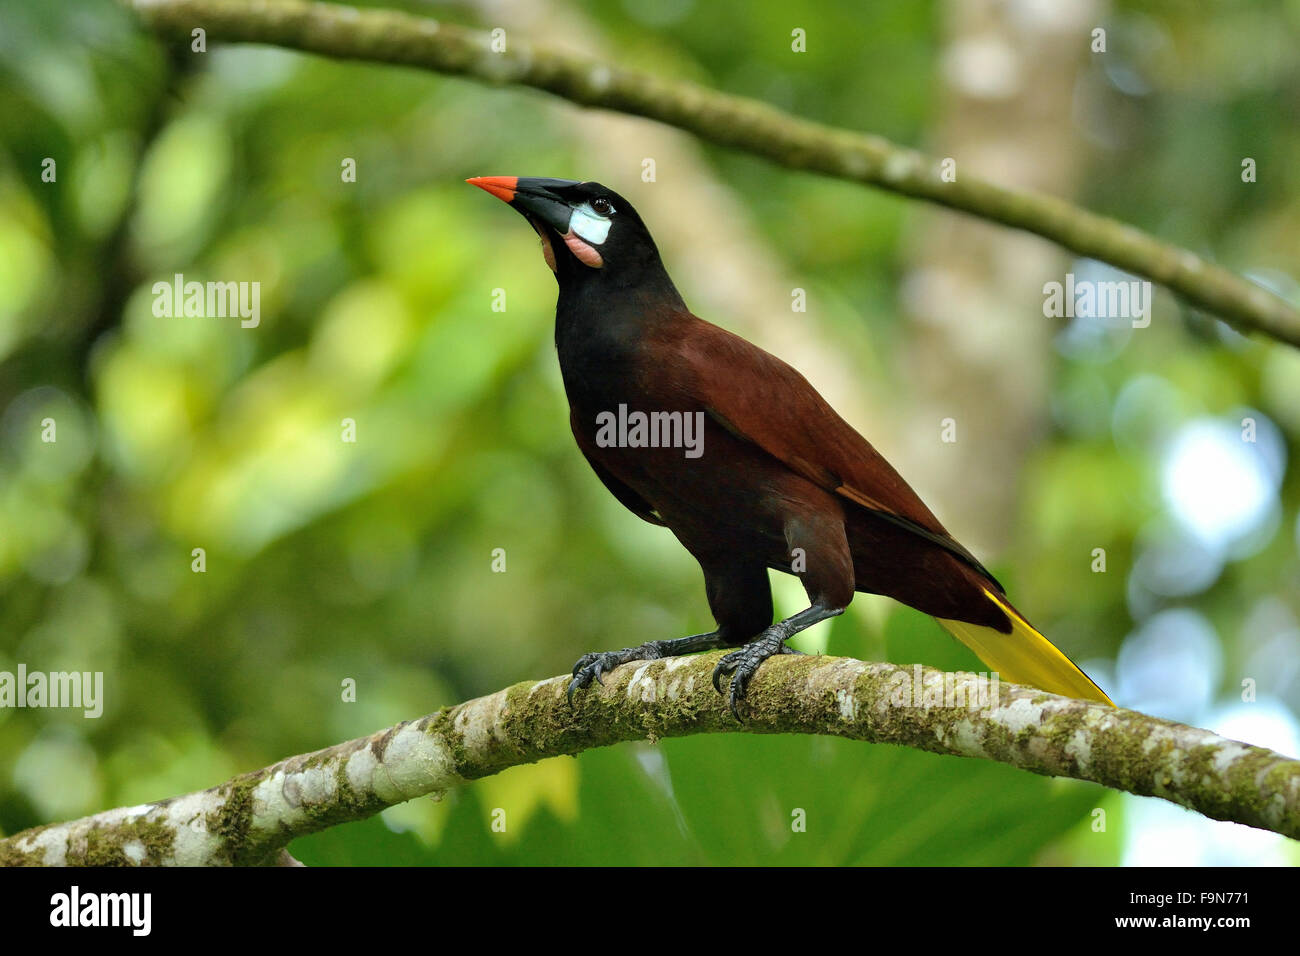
[[589, 226]]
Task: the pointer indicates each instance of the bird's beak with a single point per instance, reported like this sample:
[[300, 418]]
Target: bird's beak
[[536, 199]]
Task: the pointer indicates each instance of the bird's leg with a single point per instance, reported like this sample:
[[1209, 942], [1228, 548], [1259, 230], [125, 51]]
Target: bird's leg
[[594, 666], [819, 549], [740, 598], [743, 664]]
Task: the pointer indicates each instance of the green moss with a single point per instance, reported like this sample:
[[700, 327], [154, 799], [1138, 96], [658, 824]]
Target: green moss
[[232, 822], [11, 855], [319, 759], [106, 846]]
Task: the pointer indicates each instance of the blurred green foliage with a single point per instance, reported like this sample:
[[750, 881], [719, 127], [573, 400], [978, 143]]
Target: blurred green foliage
[[328, 560]]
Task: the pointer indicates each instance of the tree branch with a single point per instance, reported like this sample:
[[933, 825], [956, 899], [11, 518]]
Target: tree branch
[[392, 37], [252, 818]]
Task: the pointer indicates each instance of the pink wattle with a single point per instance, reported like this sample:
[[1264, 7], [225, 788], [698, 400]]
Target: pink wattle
[[586, 255]]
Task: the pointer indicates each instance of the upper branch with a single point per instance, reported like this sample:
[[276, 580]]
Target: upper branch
[[392, 37], [251, 818]]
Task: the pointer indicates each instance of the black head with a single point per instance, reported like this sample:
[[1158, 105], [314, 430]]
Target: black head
[[590, 234]]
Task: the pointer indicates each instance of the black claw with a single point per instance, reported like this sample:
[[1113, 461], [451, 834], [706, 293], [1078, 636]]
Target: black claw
[[735, 697], [735, 711], [588, 666], [585, 661], [736, 664], [583, 676], [740, 687], [594, 667], [742, 665], [717, 673]]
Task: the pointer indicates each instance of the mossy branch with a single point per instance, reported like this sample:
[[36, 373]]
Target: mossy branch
[[252, 818], [386, 36]]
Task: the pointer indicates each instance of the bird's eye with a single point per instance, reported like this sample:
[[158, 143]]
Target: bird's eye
[[601, 207]]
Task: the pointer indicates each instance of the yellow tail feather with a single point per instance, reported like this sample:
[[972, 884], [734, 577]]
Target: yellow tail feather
[[1024, 656]]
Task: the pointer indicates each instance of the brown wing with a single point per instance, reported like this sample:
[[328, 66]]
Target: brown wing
[[759, 398]]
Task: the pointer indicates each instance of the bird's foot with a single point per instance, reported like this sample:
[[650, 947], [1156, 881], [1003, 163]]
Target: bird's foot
[[743, 664], [593, 667]]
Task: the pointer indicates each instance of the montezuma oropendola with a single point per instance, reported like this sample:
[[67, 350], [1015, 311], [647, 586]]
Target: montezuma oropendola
[[745, 462]]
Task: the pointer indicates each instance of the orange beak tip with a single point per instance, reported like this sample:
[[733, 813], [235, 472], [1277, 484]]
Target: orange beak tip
[[503, 187]]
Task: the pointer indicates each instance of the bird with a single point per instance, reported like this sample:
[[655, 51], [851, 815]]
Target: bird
[[696, 429]]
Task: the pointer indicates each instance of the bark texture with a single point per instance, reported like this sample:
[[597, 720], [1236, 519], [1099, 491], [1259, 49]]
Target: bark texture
[[251, 819]]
